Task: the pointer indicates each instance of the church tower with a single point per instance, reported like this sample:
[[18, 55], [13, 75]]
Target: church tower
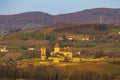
[[43, 53], [56, 48]]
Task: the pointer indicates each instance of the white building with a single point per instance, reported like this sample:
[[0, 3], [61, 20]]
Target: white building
[[3, 49]]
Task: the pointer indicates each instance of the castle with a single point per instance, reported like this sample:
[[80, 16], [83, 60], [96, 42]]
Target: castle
[[65, 54], [59, 54], [66, 51]]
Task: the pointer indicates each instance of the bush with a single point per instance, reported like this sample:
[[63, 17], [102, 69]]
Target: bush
[[99, 54], [89, 75]]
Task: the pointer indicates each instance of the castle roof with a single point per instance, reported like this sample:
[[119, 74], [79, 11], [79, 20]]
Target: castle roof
[[67, 49]]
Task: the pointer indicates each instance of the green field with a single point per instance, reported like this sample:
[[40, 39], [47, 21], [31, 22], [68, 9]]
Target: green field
[[115, 30], [112, 69]]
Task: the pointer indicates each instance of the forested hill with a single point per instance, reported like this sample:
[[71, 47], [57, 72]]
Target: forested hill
[[40, 19]]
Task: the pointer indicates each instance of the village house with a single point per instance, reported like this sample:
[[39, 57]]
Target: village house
[[3, 49]]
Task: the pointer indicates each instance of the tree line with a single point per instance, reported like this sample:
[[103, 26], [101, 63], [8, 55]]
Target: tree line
[[51, 73]]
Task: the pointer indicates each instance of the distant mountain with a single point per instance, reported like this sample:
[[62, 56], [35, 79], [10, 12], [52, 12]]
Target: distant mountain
[[40, 19], [26, 20], [109, 16]]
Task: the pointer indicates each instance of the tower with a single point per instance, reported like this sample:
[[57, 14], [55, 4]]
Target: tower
[[1, 33], [56, 48], [101, 19], [43, 53]]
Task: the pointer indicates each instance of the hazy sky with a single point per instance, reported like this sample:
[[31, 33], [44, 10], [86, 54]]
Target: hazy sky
[[53, 6]]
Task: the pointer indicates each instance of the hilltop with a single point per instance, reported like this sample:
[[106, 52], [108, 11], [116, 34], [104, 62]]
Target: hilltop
[[40, 19]]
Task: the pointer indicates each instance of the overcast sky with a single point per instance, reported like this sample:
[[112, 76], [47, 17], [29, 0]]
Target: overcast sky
[[53, 6]]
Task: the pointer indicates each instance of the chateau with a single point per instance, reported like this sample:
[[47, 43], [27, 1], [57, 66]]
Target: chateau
[[59, 56]]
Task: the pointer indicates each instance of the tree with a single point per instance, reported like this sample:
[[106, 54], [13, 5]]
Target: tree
[[51, 36], [64, 37], [99, 54], [90, 75]]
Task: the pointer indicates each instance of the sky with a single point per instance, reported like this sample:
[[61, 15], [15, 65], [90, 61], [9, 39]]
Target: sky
[[53, 7]]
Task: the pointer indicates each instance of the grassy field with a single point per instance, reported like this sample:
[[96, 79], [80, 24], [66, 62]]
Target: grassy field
[[115, 30], [98, 67], [112, 69]]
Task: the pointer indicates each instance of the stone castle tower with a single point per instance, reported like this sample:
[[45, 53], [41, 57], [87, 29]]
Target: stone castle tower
[[56, 48], [43, 53]]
